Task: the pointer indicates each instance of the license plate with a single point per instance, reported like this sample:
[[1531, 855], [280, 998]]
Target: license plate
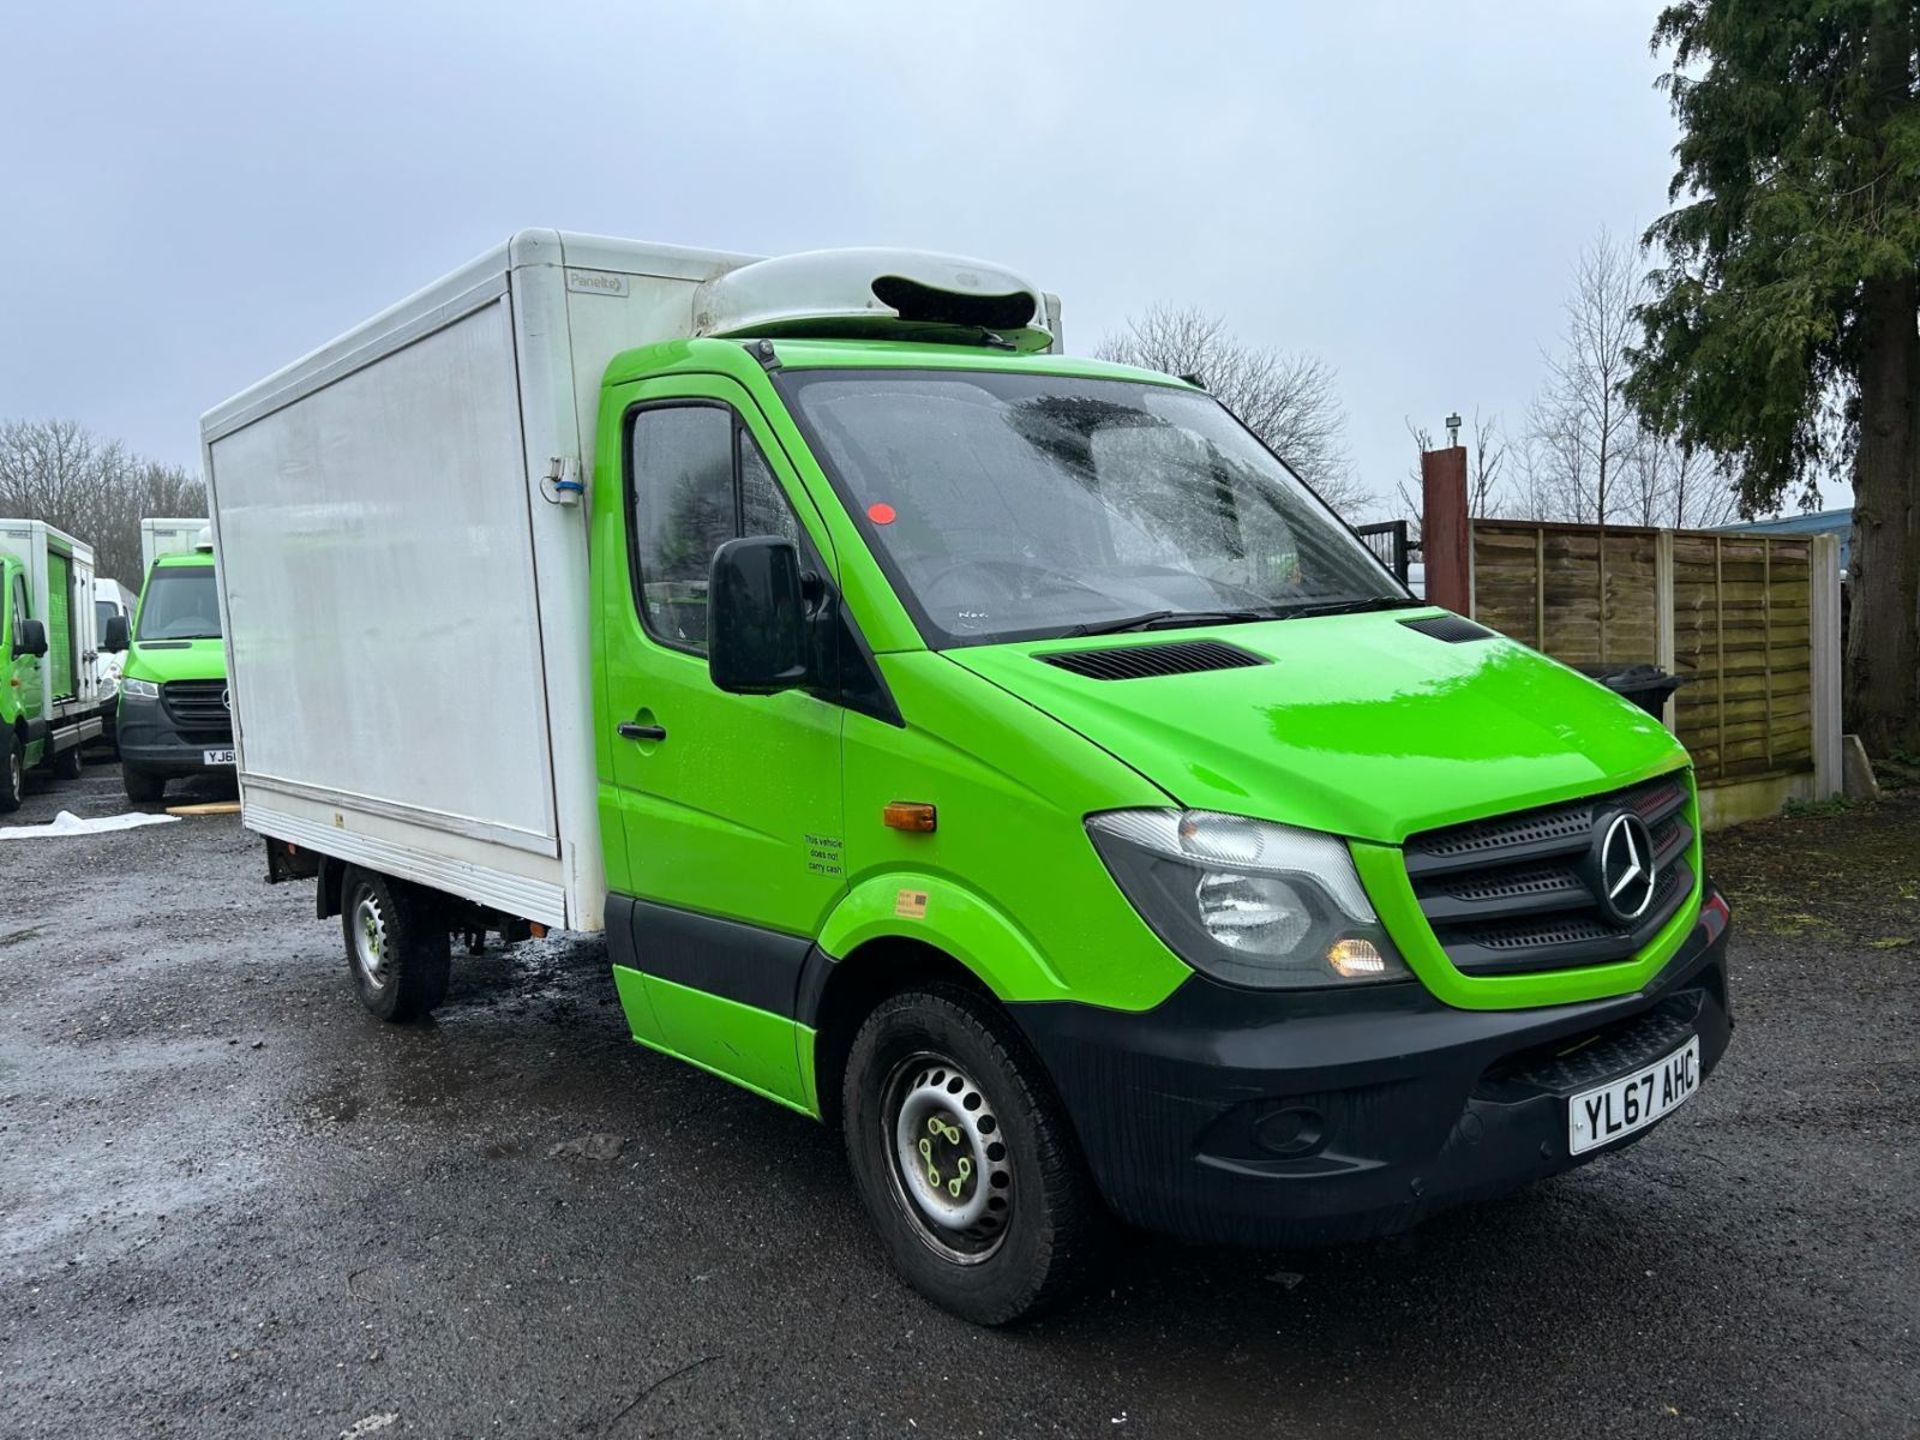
[[1610, 1112], [216, 757]]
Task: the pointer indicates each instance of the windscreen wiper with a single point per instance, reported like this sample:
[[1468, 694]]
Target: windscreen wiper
[[1353, 607], [1154, 619]]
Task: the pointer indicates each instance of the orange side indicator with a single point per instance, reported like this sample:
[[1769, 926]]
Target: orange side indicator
[[909, 815]]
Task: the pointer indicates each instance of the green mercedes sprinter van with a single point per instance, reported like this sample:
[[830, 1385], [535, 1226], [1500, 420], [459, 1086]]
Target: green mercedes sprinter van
[[174, 719], [1000, 756]]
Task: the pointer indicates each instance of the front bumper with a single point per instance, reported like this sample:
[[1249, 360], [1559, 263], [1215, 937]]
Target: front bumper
[[1229, 1116], [149, 740]]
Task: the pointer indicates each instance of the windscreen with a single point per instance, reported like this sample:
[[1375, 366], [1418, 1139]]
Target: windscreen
[[180, 604], [1008, 505], [103, 611]]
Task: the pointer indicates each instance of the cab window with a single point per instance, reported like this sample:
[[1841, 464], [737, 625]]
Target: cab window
[[696, 480]]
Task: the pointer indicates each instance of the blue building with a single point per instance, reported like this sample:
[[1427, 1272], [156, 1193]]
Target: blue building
[[1821, 522]]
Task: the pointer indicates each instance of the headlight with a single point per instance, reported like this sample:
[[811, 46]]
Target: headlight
[[1248, 901], [139, 689]]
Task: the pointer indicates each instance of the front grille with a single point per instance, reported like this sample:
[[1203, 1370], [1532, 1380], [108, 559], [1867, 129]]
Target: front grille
[[1513, 894], [198, 710]]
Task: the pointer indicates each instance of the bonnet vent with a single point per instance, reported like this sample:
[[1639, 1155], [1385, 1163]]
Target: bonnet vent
[[1450, 628], [1137, 662]]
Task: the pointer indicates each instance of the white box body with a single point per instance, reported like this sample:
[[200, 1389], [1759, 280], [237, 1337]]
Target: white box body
[[33, 543], [168, 536], [407, 611], [106, 668]]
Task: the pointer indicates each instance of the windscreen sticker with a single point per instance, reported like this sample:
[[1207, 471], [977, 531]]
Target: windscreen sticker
[[881, 513]]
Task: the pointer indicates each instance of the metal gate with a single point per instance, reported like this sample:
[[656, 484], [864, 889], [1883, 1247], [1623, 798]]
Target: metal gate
[[1388, 540]]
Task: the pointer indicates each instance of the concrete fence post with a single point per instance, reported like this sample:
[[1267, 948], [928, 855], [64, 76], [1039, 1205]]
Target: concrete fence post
[[1823, 606], [1446, 534]]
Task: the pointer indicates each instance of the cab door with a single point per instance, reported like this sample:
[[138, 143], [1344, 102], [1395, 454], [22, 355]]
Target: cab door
[[27, 674], [728, 806]]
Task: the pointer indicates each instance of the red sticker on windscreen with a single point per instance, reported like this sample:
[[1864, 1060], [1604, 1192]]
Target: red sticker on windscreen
[[880, 513]]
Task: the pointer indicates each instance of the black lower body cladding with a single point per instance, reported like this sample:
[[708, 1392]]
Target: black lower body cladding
[[1314, 1117], [151, 740]]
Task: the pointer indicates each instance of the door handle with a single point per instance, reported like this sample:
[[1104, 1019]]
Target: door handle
[[629, 730]]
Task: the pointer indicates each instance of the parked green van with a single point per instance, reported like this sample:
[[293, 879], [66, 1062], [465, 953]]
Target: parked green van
[[998, 755], [49, 678], [174, 719]]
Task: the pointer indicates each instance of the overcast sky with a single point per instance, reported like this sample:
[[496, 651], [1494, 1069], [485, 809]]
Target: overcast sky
[[192, 194]]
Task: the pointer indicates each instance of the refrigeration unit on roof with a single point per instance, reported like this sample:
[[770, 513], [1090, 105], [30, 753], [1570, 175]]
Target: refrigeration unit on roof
[[875, 294]]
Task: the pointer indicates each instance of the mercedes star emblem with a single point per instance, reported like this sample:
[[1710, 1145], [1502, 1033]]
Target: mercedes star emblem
[[1627, 878]]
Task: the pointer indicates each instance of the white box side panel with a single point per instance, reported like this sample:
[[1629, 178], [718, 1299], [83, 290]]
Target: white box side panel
[[547, 389], [599, 327], [652, 302], [524, 885], [171, 535], [568, 337], [377, 575]]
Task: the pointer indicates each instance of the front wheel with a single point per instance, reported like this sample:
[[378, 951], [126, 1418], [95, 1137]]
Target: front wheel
[[143, 786], [397, 946], [964, 1159]]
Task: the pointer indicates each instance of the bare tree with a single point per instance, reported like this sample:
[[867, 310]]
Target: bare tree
[[1486, 461], [1288, 399], [1580, 424], [94, 489], [1587, 455], [1704, 492], [1644, 481], [1666, 483], [1533, 495], [1411, 490]]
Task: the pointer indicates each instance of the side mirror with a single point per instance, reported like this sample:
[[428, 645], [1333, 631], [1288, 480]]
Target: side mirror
[[30, 637], [756, 617], [116, 639]]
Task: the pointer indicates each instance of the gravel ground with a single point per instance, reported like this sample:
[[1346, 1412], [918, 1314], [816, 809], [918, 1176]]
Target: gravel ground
[[232, 1203]]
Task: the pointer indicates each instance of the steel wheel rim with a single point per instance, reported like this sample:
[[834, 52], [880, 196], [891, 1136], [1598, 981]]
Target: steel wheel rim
[[948, 1161], [370, 942], [16, 775]]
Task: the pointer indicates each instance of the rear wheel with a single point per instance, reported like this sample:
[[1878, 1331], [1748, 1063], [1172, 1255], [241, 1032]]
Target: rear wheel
[[964, 1159], [143, 786], [66, 763], [397, 946], [13, 773]]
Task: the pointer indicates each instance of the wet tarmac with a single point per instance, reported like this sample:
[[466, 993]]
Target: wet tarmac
[[232, 1203]]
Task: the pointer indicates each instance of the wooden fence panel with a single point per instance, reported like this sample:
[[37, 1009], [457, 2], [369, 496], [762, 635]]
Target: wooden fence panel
[[1739, 632], [1544, 584]]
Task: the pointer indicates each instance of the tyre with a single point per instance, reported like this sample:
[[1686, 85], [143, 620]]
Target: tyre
[[397, 945], [13, 773], [143, 786], [965, 1160], [66, 763]]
